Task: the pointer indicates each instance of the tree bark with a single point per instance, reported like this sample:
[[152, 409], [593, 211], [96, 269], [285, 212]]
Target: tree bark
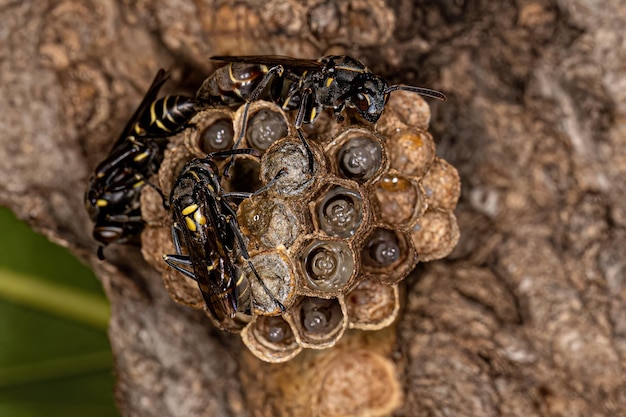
[[527, 317]]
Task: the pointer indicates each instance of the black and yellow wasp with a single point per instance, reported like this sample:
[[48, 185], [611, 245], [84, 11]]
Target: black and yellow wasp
[[205, 226], [113, 192], [332, 82]]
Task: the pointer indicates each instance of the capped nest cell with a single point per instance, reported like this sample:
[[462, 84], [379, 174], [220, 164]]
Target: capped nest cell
[[331, 245]]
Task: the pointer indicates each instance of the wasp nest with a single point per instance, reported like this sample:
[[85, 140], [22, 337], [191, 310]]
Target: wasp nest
[[331, 245]]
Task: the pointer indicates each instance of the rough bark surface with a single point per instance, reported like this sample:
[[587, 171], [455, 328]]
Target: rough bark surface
[[526, 318]]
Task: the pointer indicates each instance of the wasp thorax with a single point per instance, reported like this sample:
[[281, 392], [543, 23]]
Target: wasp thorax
[[218, 136], [319, 322], [340, 212], [265, 128], [360, 158], [328, 265]]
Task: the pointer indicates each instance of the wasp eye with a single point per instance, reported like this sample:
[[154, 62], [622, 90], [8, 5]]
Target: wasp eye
[[362, 102]]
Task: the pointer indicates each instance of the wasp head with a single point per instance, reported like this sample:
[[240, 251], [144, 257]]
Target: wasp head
[[368, 96]]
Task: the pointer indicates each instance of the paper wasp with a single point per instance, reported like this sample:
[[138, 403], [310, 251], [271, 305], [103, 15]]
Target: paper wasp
[[207, 222], [114, 190], [308, 86]]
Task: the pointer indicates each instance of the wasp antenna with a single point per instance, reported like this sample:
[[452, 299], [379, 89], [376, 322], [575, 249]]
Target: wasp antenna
[[427, 92]]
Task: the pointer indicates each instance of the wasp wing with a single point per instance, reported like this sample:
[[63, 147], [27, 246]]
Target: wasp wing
[[151, 95], [293, 64], [210, 245]]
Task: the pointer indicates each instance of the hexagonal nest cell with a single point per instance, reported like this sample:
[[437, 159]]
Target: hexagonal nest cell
[[331, 245]]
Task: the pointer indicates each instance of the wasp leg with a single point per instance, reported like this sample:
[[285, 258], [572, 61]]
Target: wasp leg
[[246, 256], [237, 194], [274, 71], [116, 157], [306, 95], [232, 152], [177, 246], [178, 262], [338, 111], [244, 124], [156, 188], [243, 195]]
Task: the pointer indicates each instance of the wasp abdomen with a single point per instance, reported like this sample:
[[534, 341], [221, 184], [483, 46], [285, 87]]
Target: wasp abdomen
[[166, 116], [231, 84]]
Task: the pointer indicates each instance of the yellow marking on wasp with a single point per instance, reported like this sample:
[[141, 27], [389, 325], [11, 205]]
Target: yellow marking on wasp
[[164, 109], [286, 102], [189, 209], [214, 265], [231, 75], [191, 225], [329, 81], [199, 218], [313, 113], [195, 176], [210, 187], [162, 126], [153, 115], [139, 183], [101, 202], [140, 157], [237, 91], [304, 74], [360, 71], [170, 115], [240, 280], [138, 130]]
